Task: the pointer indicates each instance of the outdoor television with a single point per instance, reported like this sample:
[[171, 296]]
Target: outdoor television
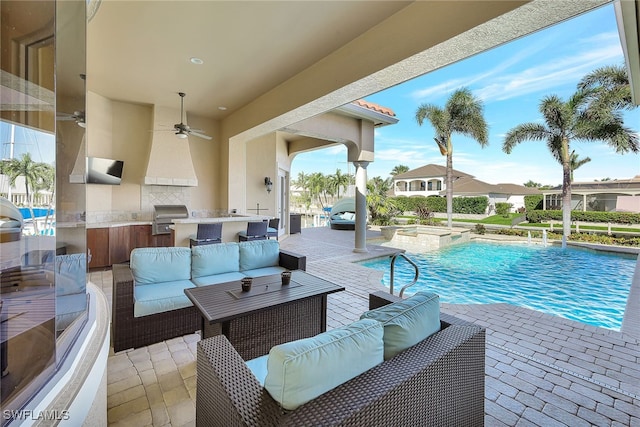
[[104, 171]]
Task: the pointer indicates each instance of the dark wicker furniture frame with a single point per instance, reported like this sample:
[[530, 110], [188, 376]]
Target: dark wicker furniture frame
[[133, 332], [268, 315], [437, 382]]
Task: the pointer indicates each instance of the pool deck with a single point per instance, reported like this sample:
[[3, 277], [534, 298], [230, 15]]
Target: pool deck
[[541, 370]]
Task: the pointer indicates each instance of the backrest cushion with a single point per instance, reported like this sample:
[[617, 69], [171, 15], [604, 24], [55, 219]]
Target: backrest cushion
[[299, 371], [155, 265], [71, 274], [258, 254], [219, 258], [407, 322]]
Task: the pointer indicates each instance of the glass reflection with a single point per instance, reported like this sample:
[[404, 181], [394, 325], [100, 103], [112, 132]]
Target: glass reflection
[[42, 230]]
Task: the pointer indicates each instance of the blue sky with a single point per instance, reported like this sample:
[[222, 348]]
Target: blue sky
[[511, 80]]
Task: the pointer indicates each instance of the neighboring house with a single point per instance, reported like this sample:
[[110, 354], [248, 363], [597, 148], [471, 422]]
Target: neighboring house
[[430, 180], [617, 195]]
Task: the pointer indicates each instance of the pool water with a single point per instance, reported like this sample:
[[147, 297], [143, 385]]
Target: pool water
[[578, 284]]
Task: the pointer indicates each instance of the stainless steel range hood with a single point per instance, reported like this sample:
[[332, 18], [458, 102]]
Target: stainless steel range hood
[[170, 157]]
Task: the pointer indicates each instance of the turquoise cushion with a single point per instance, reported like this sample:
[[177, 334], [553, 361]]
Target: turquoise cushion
[[214, 279], [266, 271], [156, 265], [407, 322], [299, 371], [259, 253], [161, 297], [71, 274], [207, 260], [258, 367]]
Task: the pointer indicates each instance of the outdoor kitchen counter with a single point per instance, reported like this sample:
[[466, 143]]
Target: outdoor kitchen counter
[[232, 224], [116, 224]]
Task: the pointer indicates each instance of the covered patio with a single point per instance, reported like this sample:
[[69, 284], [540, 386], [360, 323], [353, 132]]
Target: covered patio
[[540, 369]]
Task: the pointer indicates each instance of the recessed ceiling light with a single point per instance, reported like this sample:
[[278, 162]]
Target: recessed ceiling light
[[222, 108], [196, 61]]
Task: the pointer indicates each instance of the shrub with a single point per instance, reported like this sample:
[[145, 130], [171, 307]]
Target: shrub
[[470, 205], [590, 216], [480, 229], [533, 202], [503, 209]]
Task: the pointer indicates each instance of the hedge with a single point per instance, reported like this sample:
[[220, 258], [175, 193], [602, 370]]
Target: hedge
[[589, 216], [533, 202], [463, 205]]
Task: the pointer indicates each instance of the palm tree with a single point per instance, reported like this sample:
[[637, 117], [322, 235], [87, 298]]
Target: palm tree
[[575, 119], [575, 162], [607, 88], [382, 209], [36, 175], [397, 170], [463, 113], [338, 181]]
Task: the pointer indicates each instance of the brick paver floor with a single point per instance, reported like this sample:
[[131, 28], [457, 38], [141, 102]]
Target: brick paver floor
[[541, 370]]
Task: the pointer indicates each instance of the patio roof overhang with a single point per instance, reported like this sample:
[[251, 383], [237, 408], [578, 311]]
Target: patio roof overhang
[[628, 17]]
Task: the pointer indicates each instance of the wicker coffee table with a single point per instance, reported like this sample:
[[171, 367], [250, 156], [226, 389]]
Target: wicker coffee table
[[267, 315]]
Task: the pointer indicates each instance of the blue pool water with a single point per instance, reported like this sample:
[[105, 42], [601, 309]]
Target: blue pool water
[[578, 284], [38, 212]]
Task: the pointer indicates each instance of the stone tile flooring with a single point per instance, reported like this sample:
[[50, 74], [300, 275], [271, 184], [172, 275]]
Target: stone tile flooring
[[541, 370]]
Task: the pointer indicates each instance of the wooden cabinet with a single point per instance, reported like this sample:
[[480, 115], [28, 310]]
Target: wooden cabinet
[[98, 246], [119, 244], [113, 245], [160, 240], [140, 236]]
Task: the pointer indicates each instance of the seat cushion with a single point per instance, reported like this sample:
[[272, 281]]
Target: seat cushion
[[161, 297], [407, 322], [157, 265], [258, 367], [207, 260], [214, 279], [299, 371], [259, 254], [71, 274]]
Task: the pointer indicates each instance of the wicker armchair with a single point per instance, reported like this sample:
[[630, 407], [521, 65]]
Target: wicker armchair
[[132, 332], [439, 381]]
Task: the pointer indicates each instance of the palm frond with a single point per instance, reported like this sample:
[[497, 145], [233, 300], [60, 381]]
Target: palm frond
[[524, 132]]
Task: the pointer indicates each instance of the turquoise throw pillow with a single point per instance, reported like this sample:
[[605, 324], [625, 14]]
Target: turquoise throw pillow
[[407, 322], [259, 254], [157, 265], [299, 371], [207, 260]]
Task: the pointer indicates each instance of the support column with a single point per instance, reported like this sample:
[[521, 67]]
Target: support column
[[361, 207]]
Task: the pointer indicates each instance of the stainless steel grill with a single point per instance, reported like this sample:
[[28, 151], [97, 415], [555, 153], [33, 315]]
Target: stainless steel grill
[[163, 216]]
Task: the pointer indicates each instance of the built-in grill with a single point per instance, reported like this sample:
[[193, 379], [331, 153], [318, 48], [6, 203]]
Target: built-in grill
[[163, 216]]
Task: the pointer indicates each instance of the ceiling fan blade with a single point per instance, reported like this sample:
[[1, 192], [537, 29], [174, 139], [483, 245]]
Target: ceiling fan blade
[[200, 135]]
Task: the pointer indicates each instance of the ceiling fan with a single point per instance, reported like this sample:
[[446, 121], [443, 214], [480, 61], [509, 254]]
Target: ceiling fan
[[77, 116], [183, 130]]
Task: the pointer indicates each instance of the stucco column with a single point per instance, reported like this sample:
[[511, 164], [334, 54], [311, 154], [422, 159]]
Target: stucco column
[[361, 207]]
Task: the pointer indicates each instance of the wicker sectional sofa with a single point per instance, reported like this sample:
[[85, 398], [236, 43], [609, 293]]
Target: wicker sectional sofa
[[149, 304], [438, 381]]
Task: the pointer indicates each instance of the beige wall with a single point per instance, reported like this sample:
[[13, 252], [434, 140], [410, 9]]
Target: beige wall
[[261, 162], [122, 130]]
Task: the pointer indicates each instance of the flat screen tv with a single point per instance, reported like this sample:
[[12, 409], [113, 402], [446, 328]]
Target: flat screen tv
[[104, 171]]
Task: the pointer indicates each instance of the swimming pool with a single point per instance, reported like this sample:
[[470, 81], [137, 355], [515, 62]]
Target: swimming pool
[[579, 284]]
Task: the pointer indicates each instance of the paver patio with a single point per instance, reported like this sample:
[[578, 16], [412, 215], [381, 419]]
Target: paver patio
[[540, 369]]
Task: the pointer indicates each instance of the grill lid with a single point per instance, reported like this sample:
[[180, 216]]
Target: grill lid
[[170, 212]]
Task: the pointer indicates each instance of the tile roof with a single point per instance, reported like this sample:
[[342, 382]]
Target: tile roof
[[430, 171], [374, 107]]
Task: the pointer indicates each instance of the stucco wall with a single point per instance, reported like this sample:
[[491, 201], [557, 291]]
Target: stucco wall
[[122, 130]]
